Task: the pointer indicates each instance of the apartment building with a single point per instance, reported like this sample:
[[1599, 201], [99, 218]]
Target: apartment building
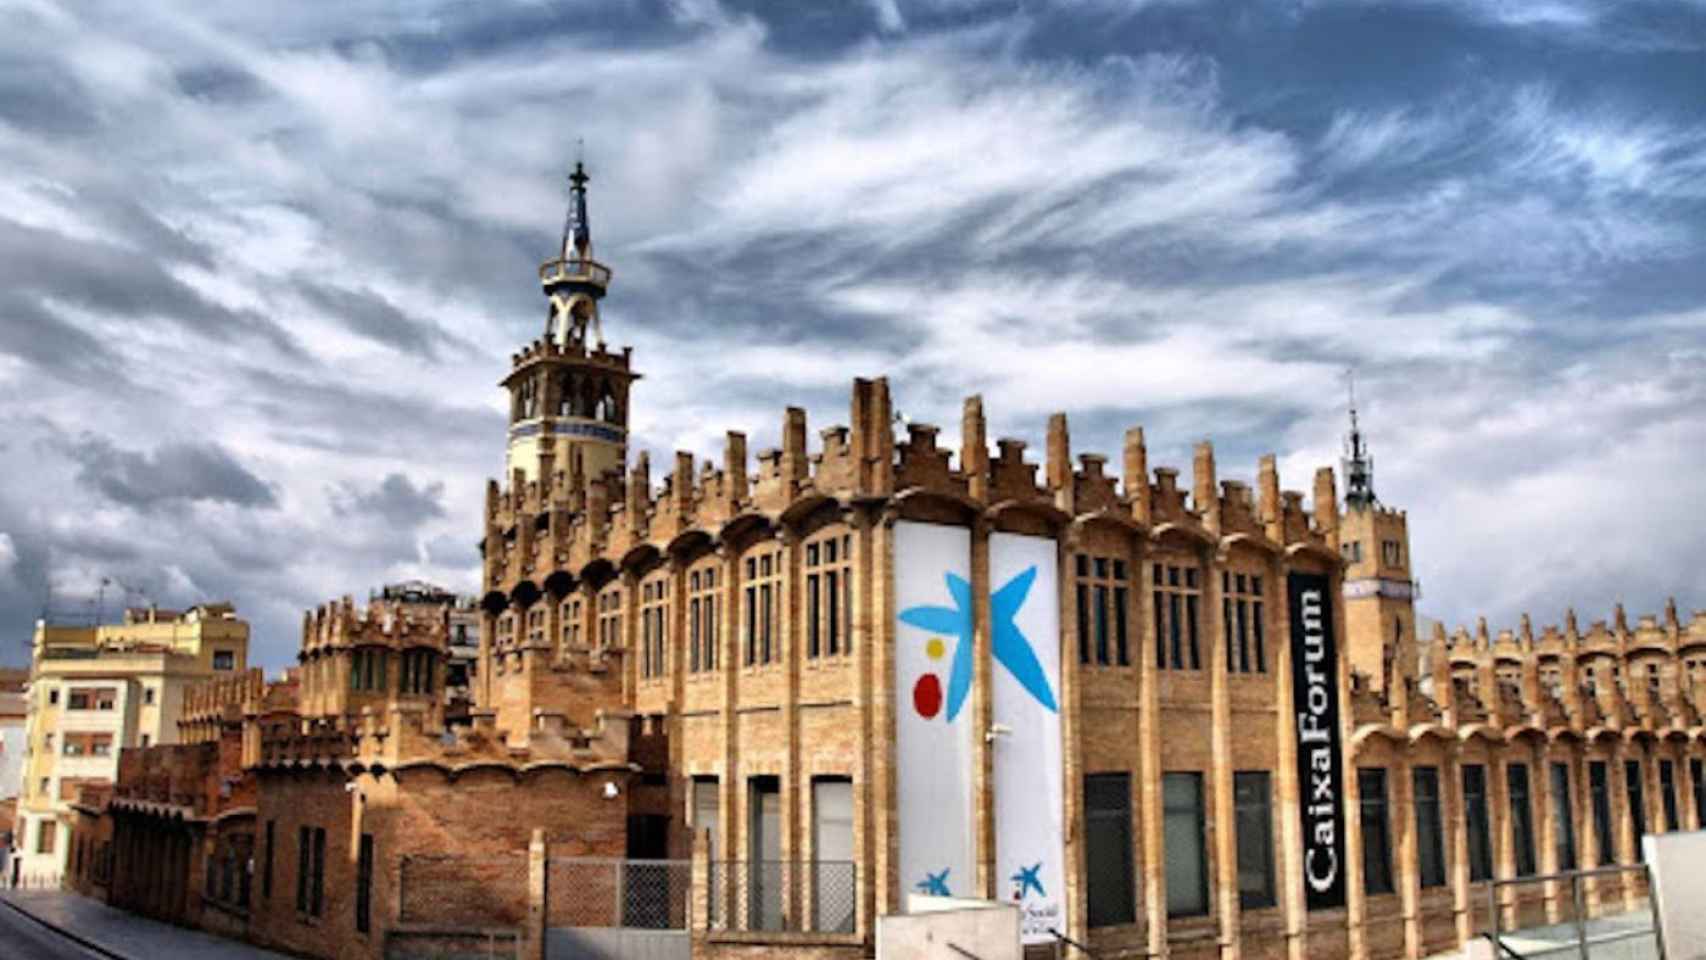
[[95, 690]]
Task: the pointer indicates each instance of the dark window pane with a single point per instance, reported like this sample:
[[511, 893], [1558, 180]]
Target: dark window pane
[[1108, 850], [1563, 817], [1600, 793], [1475, 821], [1121, 651], [1252, 799], [1637, 805], [1522, 818], [1430, 843], [1083, 623], [1376, 844], [1182, 834], [1101, 607]]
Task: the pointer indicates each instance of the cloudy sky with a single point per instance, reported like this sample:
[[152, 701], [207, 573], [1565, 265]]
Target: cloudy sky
[[260, 271]]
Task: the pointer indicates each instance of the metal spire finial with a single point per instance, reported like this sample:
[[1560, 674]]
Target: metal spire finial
[[577, 233], [1358, 465]]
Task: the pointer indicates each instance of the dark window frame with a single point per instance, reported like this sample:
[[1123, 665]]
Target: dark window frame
[[1375, 817], [1431, 866], [1109, 850], [1253, 817]]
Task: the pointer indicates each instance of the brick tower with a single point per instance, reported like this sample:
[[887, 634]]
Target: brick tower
[[568, 394], [1380, 614]]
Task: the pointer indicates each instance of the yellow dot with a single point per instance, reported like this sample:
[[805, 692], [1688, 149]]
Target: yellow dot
[[934, 648]]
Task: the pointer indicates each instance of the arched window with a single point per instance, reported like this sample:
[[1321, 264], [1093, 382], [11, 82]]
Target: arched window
[[566, 396]]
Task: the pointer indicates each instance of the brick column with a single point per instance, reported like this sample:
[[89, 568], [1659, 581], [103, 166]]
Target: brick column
[[537, 871], [730, 830], [1405, 862], [1456, 841], [1152, 868], [982, 715], [1222, 822], [1076, 902], [1288, 793]]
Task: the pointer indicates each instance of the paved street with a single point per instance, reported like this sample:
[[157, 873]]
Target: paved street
[[120, 934], [24, 939]]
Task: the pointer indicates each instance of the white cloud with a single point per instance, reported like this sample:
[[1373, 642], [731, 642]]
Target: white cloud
[[8, 556]]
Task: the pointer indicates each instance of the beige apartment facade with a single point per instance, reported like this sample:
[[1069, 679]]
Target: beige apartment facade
[[95, 690]]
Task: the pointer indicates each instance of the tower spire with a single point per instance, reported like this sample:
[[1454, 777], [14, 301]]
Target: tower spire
[[577, 231], [1358, 465]]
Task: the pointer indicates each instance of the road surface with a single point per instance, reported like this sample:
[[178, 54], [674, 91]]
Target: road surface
[[24, 939]]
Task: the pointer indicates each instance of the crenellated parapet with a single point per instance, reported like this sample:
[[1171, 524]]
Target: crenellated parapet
[[563, 523], [1647, 676]]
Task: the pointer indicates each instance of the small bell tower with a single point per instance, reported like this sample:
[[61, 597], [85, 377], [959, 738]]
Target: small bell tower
[[1380, 591], [568, 392]]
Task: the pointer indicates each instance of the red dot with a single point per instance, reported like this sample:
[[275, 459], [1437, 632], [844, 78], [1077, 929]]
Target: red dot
[[927, 696]]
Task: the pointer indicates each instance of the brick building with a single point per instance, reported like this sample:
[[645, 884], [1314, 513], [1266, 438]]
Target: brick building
[[1252, 758], [1172, 716]]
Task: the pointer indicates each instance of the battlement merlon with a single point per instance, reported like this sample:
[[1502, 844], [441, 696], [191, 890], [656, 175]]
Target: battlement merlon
[[535, 523]]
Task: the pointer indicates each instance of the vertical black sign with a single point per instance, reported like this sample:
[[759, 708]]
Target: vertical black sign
[[1320, 770]]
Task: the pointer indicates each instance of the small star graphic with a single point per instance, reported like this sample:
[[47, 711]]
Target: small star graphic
[[935, 884], [1027, 879]]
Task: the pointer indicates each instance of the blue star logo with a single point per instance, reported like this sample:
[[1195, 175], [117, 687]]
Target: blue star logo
[[1027, 879], [1009, 645], [934, 884]]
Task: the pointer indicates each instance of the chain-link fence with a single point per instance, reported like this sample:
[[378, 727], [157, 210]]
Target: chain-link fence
[[642, 894], [463, 891], [779, 895]]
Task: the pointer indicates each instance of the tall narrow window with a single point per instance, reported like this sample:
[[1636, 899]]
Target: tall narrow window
[[1108, 849], [1246, 644], [1252, 800], [1182, 831], [570, 611], [1177, 596], [1563, 817], [1476, 823], [1430, 840], [364, 884], [832, 845], [1697, 777], [1667, 795], [702, 618], [654, 622], [266, 864], [610, 617], [1522, 818], [764, 853], [763, 603], [829, 571], [1102, 593], [1637, 805], [304, 863], [1599, 794], [707, 805], [317, 890], [1376, 831]]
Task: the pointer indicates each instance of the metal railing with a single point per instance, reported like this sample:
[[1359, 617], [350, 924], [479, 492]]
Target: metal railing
[[574, 268], [783, 896], [1574, 924], [608, 892]]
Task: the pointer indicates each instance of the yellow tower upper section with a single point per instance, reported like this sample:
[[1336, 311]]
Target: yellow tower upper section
[[568, 392]]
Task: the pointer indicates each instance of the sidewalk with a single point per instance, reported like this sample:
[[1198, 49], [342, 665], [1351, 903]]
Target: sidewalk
[[125, 935]]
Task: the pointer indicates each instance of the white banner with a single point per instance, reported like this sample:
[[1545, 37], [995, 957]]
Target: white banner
[[933, 715], [1024, 601]]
